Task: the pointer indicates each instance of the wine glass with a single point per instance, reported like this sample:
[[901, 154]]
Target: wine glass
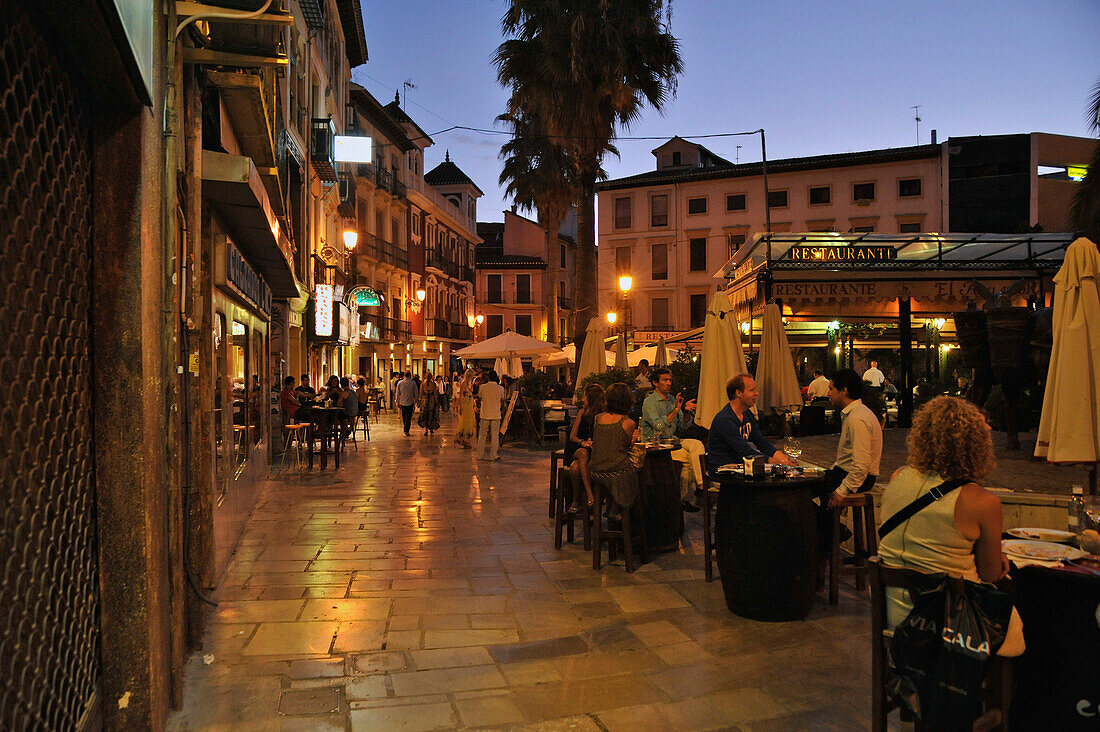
[[792, 447]]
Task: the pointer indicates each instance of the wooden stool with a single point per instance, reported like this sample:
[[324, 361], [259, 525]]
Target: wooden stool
[[865, 542], [564, 518], [633, 527], [710, 501], [555, 456], [296, 433]]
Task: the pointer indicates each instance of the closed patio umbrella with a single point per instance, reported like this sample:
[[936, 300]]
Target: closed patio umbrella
[[509, 367], [722, 359], [593, 356], [621, 360], [661, 359], [775, 376], [1069, 428]]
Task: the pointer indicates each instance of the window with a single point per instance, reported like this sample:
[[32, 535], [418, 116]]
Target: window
[[622, 260], [735, 242], [493, 284], [494, 325], [561, 256], [660, 261], [658, 210], [862, 229], [735, 202], [677, 159], [697, 205], [820, 195], [523, 289], [523, 324], [660, 313], [698, 249], [561, 329], [777, 199], [622, 213], [910, 228], [908, 188], [698, 307], [863, 192]]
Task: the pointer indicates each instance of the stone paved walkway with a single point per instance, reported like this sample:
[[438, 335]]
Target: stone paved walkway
[[417, 589]]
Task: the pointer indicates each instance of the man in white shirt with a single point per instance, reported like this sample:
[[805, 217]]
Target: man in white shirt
[[819, 387], [490, 395], [860, 450], [873, 376], [406, 395]]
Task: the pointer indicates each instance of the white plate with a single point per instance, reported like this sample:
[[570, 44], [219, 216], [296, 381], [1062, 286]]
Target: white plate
[[1042, 550], [1058, 537]]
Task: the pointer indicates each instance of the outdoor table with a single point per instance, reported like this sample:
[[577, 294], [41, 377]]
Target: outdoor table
[[659, 494], [1058, 676], [326, 420], [767, 544]]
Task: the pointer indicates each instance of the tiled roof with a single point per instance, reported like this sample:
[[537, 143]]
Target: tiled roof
[[395, 111], [840, 160], [355, 38], [448, 174], [495, 259]]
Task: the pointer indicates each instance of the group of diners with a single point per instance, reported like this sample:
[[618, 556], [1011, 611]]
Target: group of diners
[[297, 402]]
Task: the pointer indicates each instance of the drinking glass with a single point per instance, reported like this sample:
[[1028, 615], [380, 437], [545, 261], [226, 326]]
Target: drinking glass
[[1092, 511], [792, 447]]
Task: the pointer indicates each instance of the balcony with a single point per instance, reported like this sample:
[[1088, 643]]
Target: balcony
[[565, 303], [389, 329], [380, 250], [432, 258], [466, 274], [327, 273], [437, 327], [322, 149]]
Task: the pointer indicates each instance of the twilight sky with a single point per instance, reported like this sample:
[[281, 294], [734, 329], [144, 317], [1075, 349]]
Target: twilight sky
[[818, 77]]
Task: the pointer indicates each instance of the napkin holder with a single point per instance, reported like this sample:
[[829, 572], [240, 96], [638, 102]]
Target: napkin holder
[[754, 466]]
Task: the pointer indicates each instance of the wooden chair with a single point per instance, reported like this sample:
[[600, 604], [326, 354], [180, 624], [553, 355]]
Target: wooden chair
[[865, 543], [564, 519], [710, 501], [633, 527], [998, 685]]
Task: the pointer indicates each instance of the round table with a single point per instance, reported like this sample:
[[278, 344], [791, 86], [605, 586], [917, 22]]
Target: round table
[[767, 544], [659, 496], [326, 421]]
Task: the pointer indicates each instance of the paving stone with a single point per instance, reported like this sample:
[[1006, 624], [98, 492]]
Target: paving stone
[[450, 658], [309, 701], [410, 717], [489, 711], [314, 669]]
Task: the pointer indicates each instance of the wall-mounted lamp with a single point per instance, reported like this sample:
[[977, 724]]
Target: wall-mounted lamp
[[420, 295], [351, 238], [479, 318], [611, 318], [746, 326]]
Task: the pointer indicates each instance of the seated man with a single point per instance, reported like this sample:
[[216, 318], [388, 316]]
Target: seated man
[[662, 416], [735, 434], [289, 400], [860, 449], [819, 387]]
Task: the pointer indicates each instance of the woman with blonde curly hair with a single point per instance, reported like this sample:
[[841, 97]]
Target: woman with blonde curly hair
[[464, 402], [960, 533]]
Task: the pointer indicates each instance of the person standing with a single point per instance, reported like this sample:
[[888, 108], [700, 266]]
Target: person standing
[[406, 394], [819, 387], [444, 388], [349, 402], [429, 405], [643, 381], [464, 394], [873, 376], [490, 394]]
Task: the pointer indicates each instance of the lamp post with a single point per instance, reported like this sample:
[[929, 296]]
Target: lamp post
[[351, 238], [479, 319], [611, 318], [625, 282]]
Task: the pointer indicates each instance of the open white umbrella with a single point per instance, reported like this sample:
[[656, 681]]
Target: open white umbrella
[[621, 360], [1069, 428], [507, 345], [651, 354], [568, 356], [593, 356], [722, 359], [509, 367], [661, 358], [776, 379]]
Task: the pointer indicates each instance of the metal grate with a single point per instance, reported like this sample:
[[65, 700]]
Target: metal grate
[[49, 640]]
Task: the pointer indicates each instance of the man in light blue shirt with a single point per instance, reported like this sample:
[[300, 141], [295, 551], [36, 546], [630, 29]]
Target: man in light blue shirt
[[662, 417]]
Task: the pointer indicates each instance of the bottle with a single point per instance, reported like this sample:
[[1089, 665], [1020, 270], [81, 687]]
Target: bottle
[[1077, 509]]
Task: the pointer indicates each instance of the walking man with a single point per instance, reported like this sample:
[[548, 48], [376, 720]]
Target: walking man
[[407, 393], [490, 394]]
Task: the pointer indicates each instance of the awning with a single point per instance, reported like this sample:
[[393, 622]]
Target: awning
[[232, 186]]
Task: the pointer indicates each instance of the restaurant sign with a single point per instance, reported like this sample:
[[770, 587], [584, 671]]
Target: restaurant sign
[[803, 253], [237, 275]]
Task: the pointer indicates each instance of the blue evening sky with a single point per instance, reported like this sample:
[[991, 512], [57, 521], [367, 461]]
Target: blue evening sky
[[818, 77]]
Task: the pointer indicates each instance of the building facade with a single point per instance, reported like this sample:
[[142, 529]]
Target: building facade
[[673, 228], [525, 279]]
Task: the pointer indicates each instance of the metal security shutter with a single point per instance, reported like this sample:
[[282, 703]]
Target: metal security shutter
[[49, 588]]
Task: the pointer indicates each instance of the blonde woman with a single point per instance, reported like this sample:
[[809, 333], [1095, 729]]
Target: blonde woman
[[959, 534], [465, 402]]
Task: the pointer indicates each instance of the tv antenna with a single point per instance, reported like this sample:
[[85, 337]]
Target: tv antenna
[[916, 119], [408, 84], [737, 154]]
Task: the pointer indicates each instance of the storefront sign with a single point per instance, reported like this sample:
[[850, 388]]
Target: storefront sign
[[244, 281], [323, 311], [367, 298], [952, 293], [842, 253], [652, 336]]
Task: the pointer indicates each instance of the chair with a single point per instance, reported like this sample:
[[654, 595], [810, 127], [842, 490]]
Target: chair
[[998, 685], [811, 421], [633, 527], [710, 498], [564, 519], [865, 542]]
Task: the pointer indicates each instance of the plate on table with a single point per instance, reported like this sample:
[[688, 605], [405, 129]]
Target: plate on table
[[1045, 551], [1052, 535]]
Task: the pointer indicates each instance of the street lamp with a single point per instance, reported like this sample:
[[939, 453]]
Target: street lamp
[[351, 238], [611, 317], [420, 294], [479, 318], [625, 281]]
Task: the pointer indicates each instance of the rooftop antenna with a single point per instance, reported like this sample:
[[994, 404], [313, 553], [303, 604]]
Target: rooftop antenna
[[916, 119], [408, 84], [737, 154]]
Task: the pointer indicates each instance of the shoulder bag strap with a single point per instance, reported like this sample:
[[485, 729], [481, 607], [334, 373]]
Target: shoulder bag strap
[[933, 494]]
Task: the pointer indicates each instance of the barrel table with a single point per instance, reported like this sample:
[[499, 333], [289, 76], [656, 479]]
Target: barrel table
[[767, 545], [659, 494]]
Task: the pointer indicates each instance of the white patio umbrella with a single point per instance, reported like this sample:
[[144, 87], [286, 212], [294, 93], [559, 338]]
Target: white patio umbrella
[[661, 358], [652, 354], [776, 379], [567, 356], [1069, 428], [593, 356], [507, 345], [722, 359], [621, 360], [509, 367]]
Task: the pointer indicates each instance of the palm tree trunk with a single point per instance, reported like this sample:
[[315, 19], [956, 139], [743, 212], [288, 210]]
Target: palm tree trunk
[[584, 289]]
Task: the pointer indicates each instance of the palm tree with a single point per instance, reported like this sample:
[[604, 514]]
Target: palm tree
[[537, 174], [584, 68], [1086, 202]]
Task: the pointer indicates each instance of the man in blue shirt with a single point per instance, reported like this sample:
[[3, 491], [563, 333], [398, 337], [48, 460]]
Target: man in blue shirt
[[735, 434], [662, 414]]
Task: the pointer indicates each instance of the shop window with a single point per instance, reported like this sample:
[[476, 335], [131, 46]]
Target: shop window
[[622, 213], [863, 192], [697, 205], [660, 261], [494, 325], [735, 202], [493, 285], [820, 195], [658, 211], [223, 437], [735, 242], [777, 199], [523, 324], [622, 260], [698, 251], [240, 393], [909, 188], [659, 312], [697, 305], [257, 398]]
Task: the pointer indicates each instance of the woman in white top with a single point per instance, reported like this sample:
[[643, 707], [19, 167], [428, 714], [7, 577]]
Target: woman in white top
[[960, 533]]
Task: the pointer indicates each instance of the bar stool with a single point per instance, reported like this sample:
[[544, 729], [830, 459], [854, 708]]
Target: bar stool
[[864, 542], [710, 501], [563, 518], [296, 433], [555, 456], [633, 527]]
